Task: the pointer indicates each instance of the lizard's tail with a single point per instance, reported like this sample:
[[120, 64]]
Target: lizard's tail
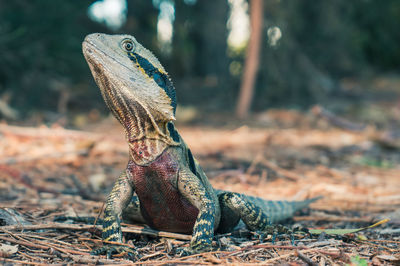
[[281, 210], [277, 210]]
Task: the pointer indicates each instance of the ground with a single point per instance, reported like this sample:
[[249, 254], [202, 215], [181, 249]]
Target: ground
[[46, 172]]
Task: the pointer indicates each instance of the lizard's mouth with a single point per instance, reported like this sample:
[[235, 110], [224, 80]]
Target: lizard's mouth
[[89, 48], [94, 53]]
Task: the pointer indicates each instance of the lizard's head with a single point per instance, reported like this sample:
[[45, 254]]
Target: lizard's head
[[130, 77]]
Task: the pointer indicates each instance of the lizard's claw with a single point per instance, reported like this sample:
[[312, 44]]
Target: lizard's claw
[[111, 249]]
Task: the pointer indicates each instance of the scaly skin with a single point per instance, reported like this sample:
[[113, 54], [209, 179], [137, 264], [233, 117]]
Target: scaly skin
[[163, 185]]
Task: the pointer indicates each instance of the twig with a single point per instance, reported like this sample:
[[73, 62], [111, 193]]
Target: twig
[[89, 259], [30, 257], [383, 240], [280, 171], [44, 238], [172, 262], [50, 245], [333, 219], [20, 262], [250, 252], [374, 245], [336, 120], [263, 246], [47, 226], [336, 255], [288, 255], [152, 255], [204, 253], [389, 139], [151, 232], [41, 246], [127, 229], [276, 246], [305, 258]]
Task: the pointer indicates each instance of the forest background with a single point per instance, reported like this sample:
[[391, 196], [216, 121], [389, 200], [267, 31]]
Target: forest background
[[340, 54]]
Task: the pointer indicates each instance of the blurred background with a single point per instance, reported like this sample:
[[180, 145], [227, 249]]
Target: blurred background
[[343, 55]]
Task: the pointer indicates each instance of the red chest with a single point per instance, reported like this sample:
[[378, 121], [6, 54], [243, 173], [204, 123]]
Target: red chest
[[162, 206]]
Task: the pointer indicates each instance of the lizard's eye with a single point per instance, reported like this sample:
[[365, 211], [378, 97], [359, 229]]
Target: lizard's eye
[[128, 45]]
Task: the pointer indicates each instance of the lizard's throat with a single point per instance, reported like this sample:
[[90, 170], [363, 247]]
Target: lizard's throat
[[146, 137], [138, 122], [146, 127]]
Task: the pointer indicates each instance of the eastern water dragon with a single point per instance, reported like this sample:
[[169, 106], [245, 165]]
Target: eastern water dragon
[[163, 186]]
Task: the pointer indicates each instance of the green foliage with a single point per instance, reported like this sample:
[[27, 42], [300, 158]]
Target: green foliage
[[374, 162], [359, 261], [346, 231]]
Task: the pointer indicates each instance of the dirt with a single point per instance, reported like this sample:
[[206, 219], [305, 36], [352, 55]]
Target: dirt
[[46, 172]]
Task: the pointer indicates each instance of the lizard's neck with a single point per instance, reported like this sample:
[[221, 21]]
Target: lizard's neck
[[147, 138], [148, 135]]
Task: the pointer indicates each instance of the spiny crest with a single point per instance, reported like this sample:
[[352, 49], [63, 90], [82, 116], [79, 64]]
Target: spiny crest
[[144, 52], [160, 77], [148, 63]]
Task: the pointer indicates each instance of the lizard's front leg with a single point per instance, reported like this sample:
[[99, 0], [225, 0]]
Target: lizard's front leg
[[117, 201], [194, 191]]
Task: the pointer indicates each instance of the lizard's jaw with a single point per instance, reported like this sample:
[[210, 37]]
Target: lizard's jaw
[[97, 62]]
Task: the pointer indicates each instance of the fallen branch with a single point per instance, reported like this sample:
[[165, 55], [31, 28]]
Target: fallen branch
[[305, 258], [20, 262], [388, 139], [333, 219], [269, 261], [95, 260], [280, 171], [42, 245], [125, 228], [336, 120]]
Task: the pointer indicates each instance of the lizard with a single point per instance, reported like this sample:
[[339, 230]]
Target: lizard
[[163, 185]]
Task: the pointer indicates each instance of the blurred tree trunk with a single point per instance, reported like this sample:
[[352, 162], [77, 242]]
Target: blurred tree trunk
[[252, 59], [212, 34], [142, 23], [199, 41], [199, 52]]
